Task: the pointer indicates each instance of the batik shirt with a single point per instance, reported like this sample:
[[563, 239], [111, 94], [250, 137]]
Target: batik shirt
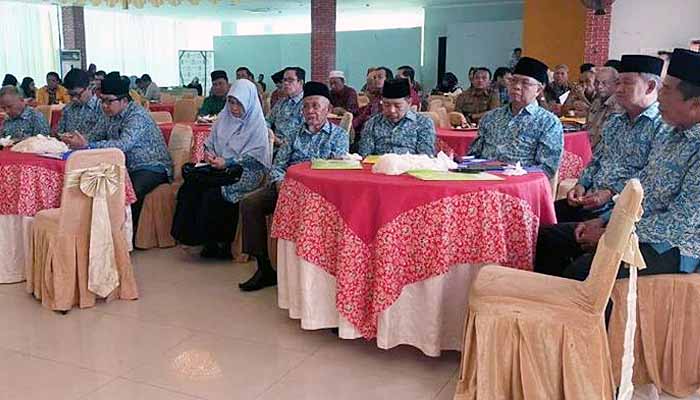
[[134, 132], [671, 182], [252, 177], [476, 101], [302, 145], [286, 116], [624, 150], [81, 117], [600, 111], [534, 137], [29, 123], [413, 134]]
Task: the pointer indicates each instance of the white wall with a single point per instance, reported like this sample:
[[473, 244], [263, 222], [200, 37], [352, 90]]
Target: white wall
[[647, 26]]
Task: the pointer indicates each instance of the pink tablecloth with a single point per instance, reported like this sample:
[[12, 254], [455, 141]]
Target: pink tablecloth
[[200, 133], [169, 107], [55, 118], [377, 233], [576, 155], [30, 183]]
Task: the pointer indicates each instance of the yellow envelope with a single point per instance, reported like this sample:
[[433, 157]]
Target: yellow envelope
[[427, 175]]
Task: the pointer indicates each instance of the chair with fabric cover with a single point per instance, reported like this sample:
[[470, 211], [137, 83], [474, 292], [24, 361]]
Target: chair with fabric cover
[[449, 104], [535, 336], [554, 185], [346, 122], [167, 98], [156, 219], [161, 117], [79, 251], [444, 120], [435, 104], [667, 350], [434, 116], [457, 119], [189, 94], [198, 101], [46, 111], [185, 111], [564, 186]]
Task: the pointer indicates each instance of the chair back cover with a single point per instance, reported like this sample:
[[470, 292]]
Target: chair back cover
[[161, 117]]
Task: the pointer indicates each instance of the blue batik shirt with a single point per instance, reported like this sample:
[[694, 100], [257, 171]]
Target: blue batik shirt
[[413, 134], [286, 116], [330, 142], [81, 117], [623, 150], [29, 123], [534, 137], [253, 174], [135, 133]]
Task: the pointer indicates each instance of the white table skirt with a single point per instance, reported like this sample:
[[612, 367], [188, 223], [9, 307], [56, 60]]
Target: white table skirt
[[428, 315], [15, 234]]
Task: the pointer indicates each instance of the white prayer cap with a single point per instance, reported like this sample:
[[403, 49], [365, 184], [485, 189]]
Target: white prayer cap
[[337, 74]]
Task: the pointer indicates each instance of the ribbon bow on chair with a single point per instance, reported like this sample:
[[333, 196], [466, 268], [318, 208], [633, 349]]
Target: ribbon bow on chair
[[98, 183], [632, 259]]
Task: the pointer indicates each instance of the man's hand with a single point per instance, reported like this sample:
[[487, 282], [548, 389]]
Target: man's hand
[[575, 195], [588, 233], [596, 199], [74, 140], [339, 111], [580, 105]]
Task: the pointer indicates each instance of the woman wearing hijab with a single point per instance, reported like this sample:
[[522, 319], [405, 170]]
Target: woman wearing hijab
[[239, 137], [448, 84], [9, 80]]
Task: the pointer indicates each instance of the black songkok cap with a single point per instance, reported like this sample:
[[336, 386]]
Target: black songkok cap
[[76, 78], [613, 64], [114, 84], [396, 89], [641, 63], [586, 67], [312, 88], [218, 74], [685, 65], [533, 68]]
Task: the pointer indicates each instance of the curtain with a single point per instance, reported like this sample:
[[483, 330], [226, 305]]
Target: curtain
[[142, 44], [29, 40]]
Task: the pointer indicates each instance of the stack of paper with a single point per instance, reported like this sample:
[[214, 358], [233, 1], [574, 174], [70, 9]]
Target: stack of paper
[[335, 164]]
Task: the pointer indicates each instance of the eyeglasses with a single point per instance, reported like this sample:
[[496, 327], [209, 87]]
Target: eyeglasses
[[73, 94], [522, 82], [290, 80]]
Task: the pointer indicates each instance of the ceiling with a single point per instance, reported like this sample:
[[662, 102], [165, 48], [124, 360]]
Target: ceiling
[[253, 9]]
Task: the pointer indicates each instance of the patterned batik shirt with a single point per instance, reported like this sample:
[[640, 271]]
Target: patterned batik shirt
[[303, 145], [134, 132], [413, 134], [81, 117], [534, 137], [671, 182], [286, 116], [252, 177], [624, 150], [476, 101], [600, 111], [29, 123]]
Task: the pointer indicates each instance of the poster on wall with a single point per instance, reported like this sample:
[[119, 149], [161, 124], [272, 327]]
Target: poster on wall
[[70, 59], [196, 64]]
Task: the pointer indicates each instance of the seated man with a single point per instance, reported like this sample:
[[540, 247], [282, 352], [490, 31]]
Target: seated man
[[374, 91], [407, 72], [343, 97], [53, 92], [278, 93], [286, 116], [603, 105], [99, 77], [521, 130], [627, 139], [149, 90], [669, 230], [559, 85], [216, 101], [316, 138], [582, 95], [22, 121], [85, 111], [480, 98], [398, 129], [245, 73], [130, 128]]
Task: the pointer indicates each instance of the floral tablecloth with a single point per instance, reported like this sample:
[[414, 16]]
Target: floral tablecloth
[[376, 234], [200, 133]]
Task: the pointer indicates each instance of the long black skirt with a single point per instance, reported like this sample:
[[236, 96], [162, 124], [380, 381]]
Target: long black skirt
[[203, 216]]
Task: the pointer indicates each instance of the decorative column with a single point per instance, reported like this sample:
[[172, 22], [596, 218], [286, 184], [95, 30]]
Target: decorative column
[[73, 28], [597, 39], [323, 14]]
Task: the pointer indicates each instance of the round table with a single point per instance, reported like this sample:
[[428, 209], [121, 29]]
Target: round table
[[576, 155], [392, 257], [169, 107], [200, 133], [29, 184]]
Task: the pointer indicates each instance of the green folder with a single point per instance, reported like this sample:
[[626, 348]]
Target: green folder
[[335, 164], [427, 175]]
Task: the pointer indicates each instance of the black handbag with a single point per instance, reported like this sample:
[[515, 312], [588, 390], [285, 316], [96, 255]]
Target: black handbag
[[207, 176]]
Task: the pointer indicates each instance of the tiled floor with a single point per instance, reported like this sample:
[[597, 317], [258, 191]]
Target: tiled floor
[[194, 335]]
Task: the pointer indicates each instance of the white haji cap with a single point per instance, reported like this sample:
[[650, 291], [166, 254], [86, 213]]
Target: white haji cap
[[337, 74]]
